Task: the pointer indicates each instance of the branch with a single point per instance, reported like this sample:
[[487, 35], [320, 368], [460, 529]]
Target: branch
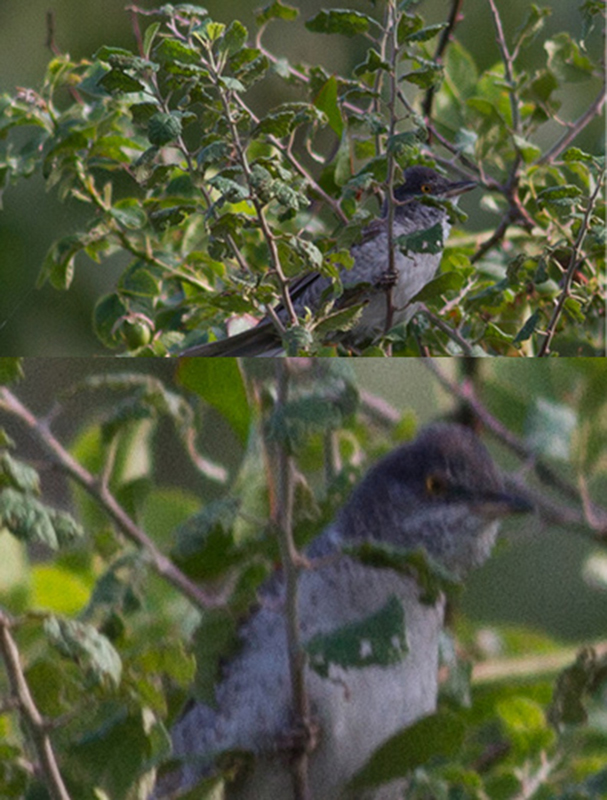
[[575, 127], [454, 18], [282, 516], [571, 270], [31, 716], [551, 511], [97, 489]]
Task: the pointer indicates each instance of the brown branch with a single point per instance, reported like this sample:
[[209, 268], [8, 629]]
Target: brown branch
[[282, 517], [97, 489], [551, 511], [34, 722], [572, 267], [580, 123], [454, 18]]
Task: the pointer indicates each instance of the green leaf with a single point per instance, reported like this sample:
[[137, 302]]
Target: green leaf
[[431, 576], [106, 315], [234, 38], [86, 646], [215, 638], [58, 265], [18, 475], [438, 736], [164, 128], [344, 21], [58, 590], [380, 639], [170, 50], [205, 547], [428, 241], [566, 60], [532, 25], [445, 282], [11, 370], [118, 81], [276, 10], [26, 518], [527, 149], [573, 688], [528, 329], [221, 384], [425, 77], [429, 32], [326, 101], [525, 725]]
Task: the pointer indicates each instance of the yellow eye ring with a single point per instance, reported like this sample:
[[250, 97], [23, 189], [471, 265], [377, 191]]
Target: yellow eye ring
[[426, 188]]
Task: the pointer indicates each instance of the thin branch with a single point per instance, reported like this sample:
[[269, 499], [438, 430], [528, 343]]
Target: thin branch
[[34, 721], [551, 511], [282, 515], [101, 493], [454, 335], [580, 123], [454, 17], [572, 267], [508, 64]]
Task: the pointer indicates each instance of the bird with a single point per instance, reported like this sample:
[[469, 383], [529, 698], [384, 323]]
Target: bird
[[441, 492], [385, 296]]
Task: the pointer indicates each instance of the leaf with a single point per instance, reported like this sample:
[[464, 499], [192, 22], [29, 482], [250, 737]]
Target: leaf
[[215, 638], [106, 315], [445, 282], [163, 128], [424, 34], [346, 22], [118, 81], [276, 10], [11, 370], [429, 573], [221, 384], [83, 644], [26, 518], [173, 50], [234, 38], [528, 329], [380, 639], [326, 101], [428, 241], [18, 475], [57, 589], [438, 736]]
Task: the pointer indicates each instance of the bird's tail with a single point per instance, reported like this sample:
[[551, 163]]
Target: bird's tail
[[262, 340]]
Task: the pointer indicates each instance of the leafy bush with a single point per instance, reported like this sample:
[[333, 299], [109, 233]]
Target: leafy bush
[[218, 203], [111, 615]]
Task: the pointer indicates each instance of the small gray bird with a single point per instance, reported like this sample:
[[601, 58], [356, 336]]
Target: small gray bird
[[443, 493], [369, 280]]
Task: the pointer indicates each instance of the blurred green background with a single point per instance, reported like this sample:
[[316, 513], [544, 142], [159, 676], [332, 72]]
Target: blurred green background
[[46, 322]]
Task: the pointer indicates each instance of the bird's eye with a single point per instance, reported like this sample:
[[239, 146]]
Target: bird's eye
[[425, 188], [436, 485]]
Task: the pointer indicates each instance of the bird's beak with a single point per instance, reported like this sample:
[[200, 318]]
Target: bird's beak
[[459, 187], [501, 504]]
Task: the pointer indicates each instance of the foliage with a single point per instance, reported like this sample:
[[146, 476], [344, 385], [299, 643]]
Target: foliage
[[110, 644], [218, 202]]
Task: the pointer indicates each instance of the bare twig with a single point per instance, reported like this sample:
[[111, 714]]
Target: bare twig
[[552, 512], [50, 774], [282, 516], [574, 128], [572, 267], [454, 17], [101, 493]]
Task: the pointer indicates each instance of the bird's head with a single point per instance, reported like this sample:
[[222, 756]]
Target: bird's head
[[442, 492], [424, 181]]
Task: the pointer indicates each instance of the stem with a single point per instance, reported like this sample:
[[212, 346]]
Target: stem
[[99, 491], [290, 560], [571, 270], [30, 714]]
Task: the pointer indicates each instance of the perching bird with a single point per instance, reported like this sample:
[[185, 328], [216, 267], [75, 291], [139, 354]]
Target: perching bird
[[442, 493], [387, 298]]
